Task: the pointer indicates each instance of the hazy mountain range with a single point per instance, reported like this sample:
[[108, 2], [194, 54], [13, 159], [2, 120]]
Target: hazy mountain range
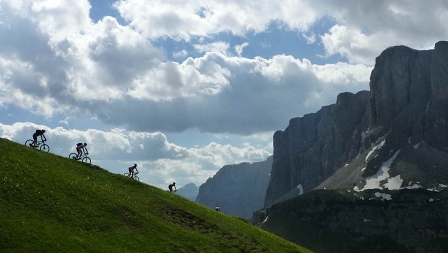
[[238, 189], [189, 191]]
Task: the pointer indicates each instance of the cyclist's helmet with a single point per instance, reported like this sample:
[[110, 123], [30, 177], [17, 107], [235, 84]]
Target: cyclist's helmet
[[174, 182], [43, 130], [85, 144], [135, 164]]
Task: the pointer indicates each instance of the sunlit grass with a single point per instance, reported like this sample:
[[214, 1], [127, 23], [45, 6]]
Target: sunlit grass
[[53, 204]]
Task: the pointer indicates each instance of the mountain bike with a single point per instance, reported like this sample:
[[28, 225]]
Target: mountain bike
[[84, 158], [40, 144], [134, 177]]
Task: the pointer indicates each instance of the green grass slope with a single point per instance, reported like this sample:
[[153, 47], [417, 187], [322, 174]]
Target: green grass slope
[[49, 203]]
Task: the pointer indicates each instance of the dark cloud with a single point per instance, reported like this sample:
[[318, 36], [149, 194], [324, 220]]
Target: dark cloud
[[22, 43], [252, 102]]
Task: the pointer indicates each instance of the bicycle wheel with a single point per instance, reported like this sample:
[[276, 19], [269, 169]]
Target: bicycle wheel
[[86, 160], [73, 156], [45, 147], [136, 178], [28, 142]]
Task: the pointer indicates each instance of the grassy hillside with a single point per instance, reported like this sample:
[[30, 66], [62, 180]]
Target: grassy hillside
[[49, 203]]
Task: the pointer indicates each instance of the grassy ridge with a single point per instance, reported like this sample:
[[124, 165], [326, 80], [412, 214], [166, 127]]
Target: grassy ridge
[[53, 204]]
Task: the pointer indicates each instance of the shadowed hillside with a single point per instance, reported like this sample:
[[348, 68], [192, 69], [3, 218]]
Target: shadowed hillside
[[371, 221], [54, 204]]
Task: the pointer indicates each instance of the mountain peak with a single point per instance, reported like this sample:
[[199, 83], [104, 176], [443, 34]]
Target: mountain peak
[[400, 125]]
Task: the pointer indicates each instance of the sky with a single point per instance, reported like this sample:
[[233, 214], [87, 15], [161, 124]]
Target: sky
[[183, 88]]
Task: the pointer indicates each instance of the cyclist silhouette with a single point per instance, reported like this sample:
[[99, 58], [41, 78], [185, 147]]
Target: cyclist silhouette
[[81, 147], [171, 187], [39, 133], [131, 170]]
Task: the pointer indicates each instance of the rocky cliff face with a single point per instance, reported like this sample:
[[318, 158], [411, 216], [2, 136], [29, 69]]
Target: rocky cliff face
[[238, 189], [313, 147], [399, 126]]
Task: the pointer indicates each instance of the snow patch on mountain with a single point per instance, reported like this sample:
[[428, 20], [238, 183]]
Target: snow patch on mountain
[[382, 179], [375, 148]]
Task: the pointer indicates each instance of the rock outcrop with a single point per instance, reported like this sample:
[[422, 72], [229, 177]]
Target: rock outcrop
[[239, 189], [402, 117]]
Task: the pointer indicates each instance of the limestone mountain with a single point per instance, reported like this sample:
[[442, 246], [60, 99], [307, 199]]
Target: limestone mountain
[[372, 169], [393, 136], [238, 189]]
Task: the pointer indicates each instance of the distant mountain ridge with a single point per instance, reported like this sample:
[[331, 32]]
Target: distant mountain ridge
[[189, 191], [238, 189]]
